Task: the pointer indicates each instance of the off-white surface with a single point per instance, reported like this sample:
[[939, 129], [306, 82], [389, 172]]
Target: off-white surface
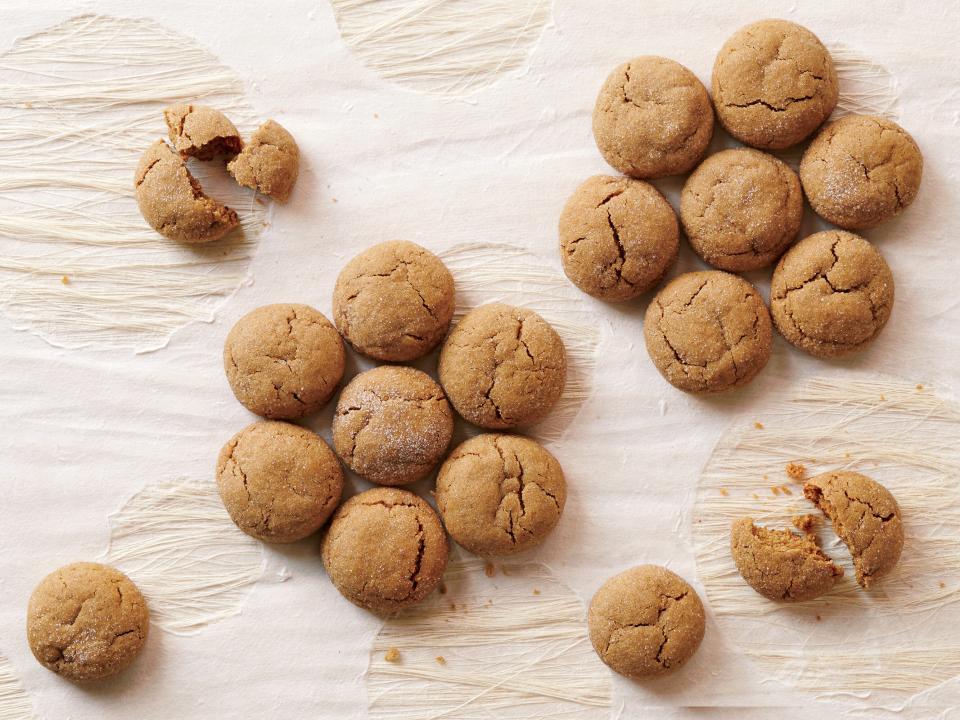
[[88, 429]]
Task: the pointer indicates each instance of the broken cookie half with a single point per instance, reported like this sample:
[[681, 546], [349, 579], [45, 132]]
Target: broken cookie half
[[201, 132], [269, 163]]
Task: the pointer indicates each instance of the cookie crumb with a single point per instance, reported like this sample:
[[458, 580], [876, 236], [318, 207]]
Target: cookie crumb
[[883, 398], [919, 386], [453, 607], [758, 425], [755, 496], [392, 655], [796, 471], [443, 588], [441, 660], [785, 490], [333, 199], [942, 584], [489, 570], [775, 490], [819, 618], [805, 523], [376, 115], [65, 280], [536, 591], [723, 491]]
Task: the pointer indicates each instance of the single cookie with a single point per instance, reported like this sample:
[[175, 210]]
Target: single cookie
[[652, 118], [741, 209], [394, 301], [279, 482], [865, 516], [201, 132], [392, 425], [503, 366], [708, 332], [645, 621], [774, 83], [86, 621], [269, 163], [861, 171], [780, 564], [385, 550], [172, 201], [831, 294], [618, 237], [500, 494], [283, 361]]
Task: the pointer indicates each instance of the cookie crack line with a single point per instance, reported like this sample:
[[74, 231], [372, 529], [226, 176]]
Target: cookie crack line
[[421, 548], [617, 265], [666, 601], [770, 106]]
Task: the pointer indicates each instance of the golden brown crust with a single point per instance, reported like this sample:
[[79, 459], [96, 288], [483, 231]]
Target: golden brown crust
[[780, 564], [653, 118], [831, 294], [269, 163], [283, 361], [861, 171], [279, 482], [618, 237], [392, 425], [865, 516], [201, 132], [86, 621], [385, 550], [741, 208], [708, 332], [645, 621], [500, 494], [172, 201], [773, 84], [503, 366], [394, 301]]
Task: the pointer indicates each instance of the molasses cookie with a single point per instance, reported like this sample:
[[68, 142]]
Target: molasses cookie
[[774, 83], [645, 621], [708, 332], [86, 621], [500, 494], [269, 163], [201, 132], [394, 301], [741, 209], [392, 425], [279, 482], [283, 361], [652, 118], [385, 550], [503, 366], [618, 237], [831, 294], [861, 171]]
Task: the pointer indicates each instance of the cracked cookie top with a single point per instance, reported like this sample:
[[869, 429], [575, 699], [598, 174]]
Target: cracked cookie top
[[741, 208], [392, 425], [269, 163], [708, 332], [865, 516], [503, 366], [500, 494], [831, 294], [385, 550], [645, 621], [861, 171], [283, 361], [774, 83], [394, 301], [780, 564], [86, 621], [201, 132], [652, 118], [618, 237], [279, 482], [172, 201]]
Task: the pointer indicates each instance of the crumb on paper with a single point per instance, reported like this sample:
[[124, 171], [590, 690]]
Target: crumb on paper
[[259, 200], [65, 280], [441, 660], [919, 386], [377, 115], [443, 588], [883, 398], [392, 655], [333, 199], [819, 618], [536, 591], [786, 490], [796, 471], [775, 489], [942, 584], [766, 477], [758, 425], [724, 492], [453, 607], [489, 570], [28, 105], [805, 523], [755, 496]]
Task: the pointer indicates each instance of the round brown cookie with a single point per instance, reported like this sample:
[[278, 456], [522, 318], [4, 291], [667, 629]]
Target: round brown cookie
[[269, 163], [780, 564], [172, 201], [774, 83], [831, 294], [741, 209], [503, 366], [645, 621], [283, 361], [385, 550], [500, 494], [392, 425], [652, 118], [708, 332], [618, 237], [201, 132], [394, 301], [865, 516], [279, 482], [861, 171], [86, 621]]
